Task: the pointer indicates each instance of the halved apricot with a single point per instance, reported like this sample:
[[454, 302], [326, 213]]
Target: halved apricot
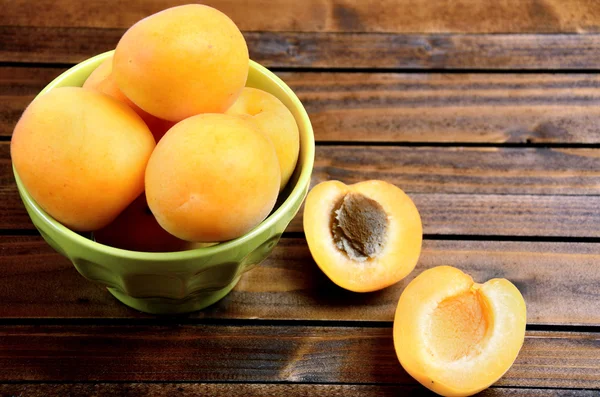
[[457, 337], [365, 236]]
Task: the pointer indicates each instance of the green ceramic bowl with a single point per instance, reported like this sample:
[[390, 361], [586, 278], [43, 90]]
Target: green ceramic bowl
[[178, 282]]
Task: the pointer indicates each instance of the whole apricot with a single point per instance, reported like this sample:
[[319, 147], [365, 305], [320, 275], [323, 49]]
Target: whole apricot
[[457, 337], [276, 121], [101, 80], [182, 61], [136, 229], [81, 155], [365, 236], [212, 177]]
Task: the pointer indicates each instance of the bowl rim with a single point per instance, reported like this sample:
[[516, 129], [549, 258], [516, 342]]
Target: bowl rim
[[306, 157]]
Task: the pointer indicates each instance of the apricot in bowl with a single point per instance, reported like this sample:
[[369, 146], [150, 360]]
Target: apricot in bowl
[[82, 155], [176, 282], [102, 80], [457, 337], [276, 121], [205, 164], [182, 61]]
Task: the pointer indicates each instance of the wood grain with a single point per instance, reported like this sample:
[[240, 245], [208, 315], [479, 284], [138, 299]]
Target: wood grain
[[299, 354], [451, 170], [464, 170], [558, 281], [459, 191], [500, 215], [257, 390], [469, 16], [336, 50], [434, 107], [401, 107]]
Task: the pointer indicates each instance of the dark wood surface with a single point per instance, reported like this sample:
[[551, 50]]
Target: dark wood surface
[[486, 113], [258, 390], [558, 281], [468, 16], [316, 50]]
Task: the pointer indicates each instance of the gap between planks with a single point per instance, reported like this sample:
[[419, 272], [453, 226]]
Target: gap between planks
[[259, 389]]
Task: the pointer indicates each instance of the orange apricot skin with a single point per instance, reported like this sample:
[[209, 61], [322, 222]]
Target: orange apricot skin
[[101, 80], [276, 121], [212, 177], [136, 229], [505, 312], [81, 155], [182, 61], [402, 248]]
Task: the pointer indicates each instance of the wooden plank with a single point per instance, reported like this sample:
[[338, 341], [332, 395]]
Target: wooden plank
[[558, 281], [450, 170], [471, 16], [257, 390], [336, 50], [464, 170], [301, 354], [441, 214], [499, 215], [433, 107], [459, 191], [401, 107]]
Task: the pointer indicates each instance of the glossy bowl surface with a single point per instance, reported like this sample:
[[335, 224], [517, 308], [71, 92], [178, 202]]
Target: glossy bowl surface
[[178, 282]]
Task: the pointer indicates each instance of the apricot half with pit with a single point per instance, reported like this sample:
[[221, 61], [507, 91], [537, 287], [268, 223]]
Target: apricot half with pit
[[457, 337], [365, 236]]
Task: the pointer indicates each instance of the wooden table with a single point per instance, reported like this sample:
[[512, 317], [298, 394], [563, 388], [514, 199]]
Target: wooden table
[[486, 113]]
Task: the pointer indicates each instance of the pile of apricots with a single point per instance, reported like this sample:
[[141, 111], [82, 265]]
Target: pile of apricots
[[163, 146]]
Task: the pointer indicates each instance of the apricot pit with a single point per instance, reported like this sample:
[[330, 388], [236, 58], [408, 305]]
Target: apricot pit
[[365, 236]]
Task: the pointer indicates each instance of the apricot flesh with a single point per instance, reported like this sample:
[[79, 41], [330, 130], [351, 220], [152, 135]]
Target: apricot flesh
[[81, 155], [457, 337], [212, 178], [365, 236], [182, 61], [276, 121], [101, 80], [136, 229]]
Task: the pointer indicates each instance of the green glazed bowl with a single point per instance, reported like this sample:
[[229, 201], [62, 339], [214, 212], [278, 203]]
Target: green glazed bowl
[[179, 282]]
